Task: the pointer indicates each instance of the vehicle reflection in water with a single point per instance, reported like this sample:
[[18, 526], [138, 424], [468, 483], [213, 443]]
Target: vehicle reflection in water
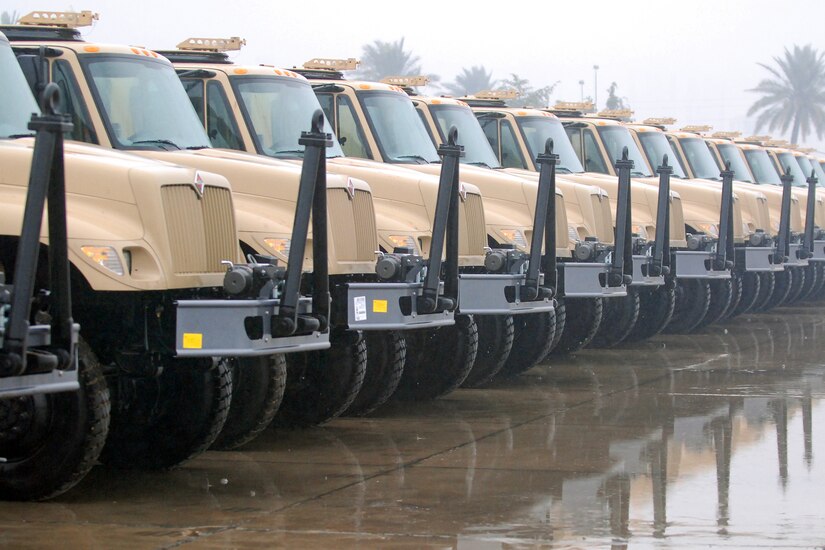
[[695, 440]]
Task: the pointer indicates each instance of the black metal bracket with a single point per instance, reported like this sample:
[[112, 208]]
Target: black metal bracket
[[544, 229], [445, 233], [660, 257], [724, 247], [810, 214], [46, 182], [783, 245], [311, 203], [621, 266]]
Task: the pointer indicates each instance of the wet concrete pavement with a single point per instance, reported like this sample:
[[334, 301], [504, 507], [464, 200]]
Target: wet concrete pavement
[[711, 439]]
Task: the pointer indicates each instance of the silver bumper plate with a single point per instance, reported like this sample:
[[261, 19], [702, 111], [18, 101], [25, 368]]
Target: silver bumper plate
[[486, 294], [639, 269], [819, 252], [793, 258], [389, 306], [759, 259], [35, 384], [695, 265], [582, 280], [217, 328]]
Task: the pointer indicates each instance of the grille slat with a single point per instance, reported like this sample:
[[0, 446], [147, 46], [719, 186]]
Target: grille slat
[[472, 233], [201, 230], [677, 220], [352, 241]]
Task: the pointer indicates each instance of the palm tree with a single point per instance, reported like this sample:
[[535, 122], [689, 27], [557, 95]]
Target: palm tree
[[470, 81], [528, 96], [795, 96], [381, 59]]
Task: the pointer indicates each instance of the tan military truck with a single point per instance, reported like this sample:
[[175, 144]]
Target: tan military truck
[[756, 254], [130, 98], [516, 134], [265, 105], [724, 149], [148, 291], [598, 142], [379, 121]]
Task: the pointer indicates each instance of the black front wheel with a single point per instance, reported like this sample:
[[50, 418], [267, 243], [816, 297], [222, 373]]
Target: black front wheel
[[438, 360], [767, 285], [161, 422], [321, 385], [582, 319], [257, 391], [750, 287], [656, 307], [618, 319], [386, 357], [50, 442], [783, 283], [798, 285], [692, 302], [811, 282], [533, 341], [495, 343], [721, 294]]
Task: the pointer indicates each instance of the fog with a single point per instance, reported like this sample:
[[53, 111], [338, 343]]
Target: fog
[[693, 60]]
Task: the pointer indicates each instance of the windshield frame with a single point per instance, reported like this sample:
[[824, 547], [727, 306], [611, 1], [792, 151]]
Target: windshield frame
[[26, 112], [796, 169], [635, 173], [235, 82], [751, 154], [360, 95], [566, 144], [434, 109], [86, 60], [740, 154], [673, 156], [687, 142]]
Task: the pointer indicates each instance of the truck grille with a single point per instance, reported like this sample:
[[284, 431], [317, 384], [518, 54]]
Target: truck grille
[[352, 225], [738, 233], [472, 230], [763, 216], [201, 230], [562, 236], [604, 218]]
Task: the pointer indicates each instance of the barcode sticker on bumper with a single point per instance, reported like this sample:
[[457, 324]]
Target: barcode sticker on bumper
[[360, 308]]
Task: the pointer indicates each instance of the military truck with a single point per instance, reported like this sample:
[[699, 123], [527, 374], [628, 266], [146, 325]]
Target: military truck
[[379, 121], [724, 149], [130, 98], [598, 141], [516, 133], [149, 291], [756, 254], [265, 104]]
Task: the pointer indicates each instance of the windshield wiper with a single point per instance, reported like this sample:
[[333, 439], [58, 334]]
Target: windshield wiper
[[18, 136], [637, 174], [157, 141], [563, 170], [479, 163], [289, 152], [413, 157]]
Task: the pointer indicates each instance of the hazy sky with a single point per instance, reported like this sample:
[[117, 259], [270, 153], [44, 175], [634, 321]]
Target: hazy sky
[[691, 59]]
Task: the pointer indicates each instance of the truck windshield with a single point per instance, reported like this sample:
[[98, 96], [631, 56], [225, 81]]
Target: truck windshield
[[656, 146], [820, 174], [615, 138], [18, 103], [787, 160], [537, 130], [762, 166], [477, 149], [806, 166], [143, 104], [397, 128], [277, 110], [699, 158], [732, 154]]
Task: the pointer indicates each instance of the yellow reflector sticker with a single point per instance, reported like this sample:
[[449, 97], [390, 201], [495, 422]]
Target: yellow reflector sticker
[[192, 340], [379, 306]]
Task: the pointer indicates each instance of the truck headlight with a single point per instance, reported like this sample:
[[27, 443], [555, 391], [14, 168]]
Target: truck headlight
[[573, 233], [279, 246], [514, 236], [639, 230], [402, 241], [104, 256], [708, 228]]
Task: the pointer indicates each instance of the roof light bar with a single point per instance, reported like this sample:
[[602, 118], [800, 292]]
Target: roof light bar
[[67, 19], [212, 44], [329, 64]]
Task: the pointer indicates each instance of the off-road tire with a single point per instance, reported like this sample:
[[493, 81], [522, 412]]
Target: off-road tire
[[495, 342], [692, 302], [721, 294], [811, 282], [386, 356], [618, 319], [532, 343], [438, 360], [783, 283], [819, 291], [74, 429], [561, 321], [169, 419], [257, 391], [797, 286], [750, 286], [656, 307], [767, 282], [321, 385], [582, 319]]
